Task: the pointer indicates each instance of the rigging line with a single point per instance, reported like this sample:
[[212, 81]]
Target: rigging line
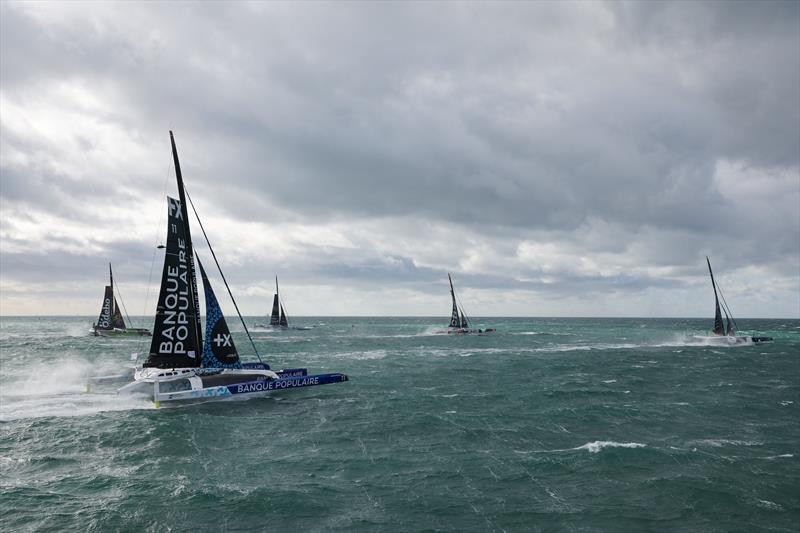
[[461, 307], [122, 301], [211, 249], [727, 307]]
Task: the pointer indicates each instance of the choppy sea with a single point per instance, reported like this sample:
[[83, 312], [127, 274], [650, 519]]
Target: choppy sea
[[551, 424]]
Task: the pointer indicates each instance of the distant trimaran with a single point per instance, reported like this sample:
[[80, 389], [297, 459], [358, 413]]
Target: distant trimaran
[[110, 322], [459, 324], [725, 332]]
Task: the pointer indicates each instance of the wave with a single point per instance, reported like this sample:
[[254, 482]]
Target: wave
[[592, 447], [598, 445], [717, 443]]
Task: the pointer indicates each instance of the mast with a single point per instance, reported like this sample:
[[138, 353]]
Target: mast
[[719, 328], [194, 301]]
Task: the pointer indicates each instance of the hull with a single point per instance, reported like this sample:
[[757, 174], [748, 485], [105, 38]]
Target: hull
[[728, 340], [468, 331], [128, 332], [280, 328], [191, 384]]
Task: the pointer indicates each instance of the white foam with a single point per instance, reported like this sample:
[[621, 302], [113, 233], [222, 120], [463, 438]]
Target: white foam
[[592, 447], [717, 443], [598, 445], [40, 390]]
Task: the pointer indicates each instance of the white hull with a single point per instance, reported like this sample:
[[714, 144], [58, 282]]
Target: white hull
[[191, 383]]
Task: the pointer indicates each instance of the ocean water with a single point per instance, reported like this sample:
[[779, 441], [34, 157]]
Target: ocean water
[[551, 424]]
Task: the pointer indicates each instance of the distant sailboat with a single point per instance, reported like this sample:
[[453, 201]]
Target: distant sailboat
[[184, 365], [278, 317], [458, 318], [110, 322], [725, 331]]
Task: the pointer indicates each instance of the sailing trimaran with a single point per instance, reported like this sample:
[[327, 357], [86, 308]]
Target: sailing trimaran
[[278, 318], [726, 331], [182, 365], [459, 324], [110, 322]]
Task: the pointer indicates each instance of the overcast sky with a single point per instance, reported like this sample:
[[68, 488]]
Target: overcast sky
[[560, 159]]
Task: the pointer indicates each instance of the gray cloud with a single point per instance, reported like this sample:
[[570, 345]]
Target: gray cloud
[[633, 137]]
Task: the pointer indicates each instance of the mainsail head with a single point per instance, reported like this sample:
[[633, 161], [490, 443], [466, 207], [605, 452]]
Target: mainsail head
[[219, 350], [176, 332]]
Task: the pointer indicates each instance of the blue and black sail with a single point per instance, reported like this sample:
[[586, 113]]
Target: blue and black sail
[[219, 350], [719, 328]]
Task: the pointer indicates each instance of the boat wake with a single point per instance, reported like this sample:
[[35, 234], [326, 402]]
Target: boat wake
[[62, 391]]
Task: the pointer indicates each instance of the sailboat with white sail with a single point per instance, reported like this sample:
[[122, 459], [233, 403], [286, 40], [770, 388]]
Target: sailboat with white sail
[[459, 323], [182, 363], [725, 333], [111, 323]]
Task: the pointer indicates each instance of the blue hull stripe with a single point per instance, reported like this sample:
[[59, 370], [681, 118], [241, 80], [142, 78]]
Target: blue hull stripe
[[286, 383]]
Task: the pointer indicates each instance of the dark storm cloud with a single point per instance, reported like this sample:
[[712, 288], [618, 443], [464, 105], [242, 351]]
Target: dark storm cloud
[[625, 128]]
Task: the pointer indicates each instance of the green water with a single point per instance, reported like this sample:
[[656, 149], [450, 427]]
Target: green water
[[548, 425]]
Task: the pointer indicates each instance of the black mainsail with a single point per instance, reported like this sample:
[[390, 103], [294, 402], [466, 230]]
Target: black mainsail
[[719, 328], [176, 332], [455, 321], [104, 321], [278, 316], [274, 319], [457, 318]]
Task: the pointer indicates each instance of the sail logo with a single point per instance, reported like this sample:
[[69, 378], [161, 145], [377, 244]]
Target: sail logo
[[176, 305], [105, 317], [222, 340], [175, 209]]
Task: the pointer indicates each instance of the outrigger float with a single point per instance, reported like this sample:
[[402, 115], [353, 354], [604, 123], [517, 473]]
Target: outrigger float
[[182, 365]]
